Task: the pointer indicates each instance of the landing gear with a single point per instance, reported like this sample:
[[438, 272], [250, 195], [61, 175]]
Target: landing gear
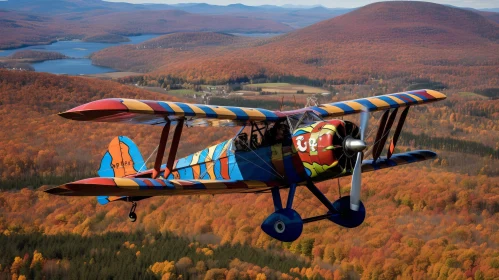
[[132, 216], [285, 224]]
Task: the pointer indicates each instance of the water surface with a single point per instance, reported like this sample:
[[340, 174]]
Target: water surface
[[78, 51]]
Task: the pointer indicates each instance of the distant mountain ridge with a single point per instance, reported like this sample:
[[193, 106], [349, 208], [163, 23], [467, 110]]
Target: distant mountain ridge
[[382, 40]]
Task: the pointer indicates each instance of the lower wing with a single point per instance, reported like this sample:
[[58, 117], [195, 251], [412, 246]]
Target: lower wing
[[119, 188]]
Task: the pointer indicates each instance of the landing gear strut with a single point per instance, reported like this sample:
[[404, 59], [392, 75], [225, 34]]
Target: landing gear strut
[[132, 216]]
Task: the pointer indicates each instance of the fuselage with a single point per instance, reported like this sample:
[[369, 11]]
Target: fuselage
[[313, 151]]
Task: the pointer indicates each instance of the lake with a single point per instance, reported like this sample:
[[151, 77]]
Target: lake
[[75, 49]]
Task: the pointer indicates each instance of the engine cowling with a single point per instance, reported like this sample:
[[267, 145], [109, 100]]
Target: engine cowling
[[322, 147]]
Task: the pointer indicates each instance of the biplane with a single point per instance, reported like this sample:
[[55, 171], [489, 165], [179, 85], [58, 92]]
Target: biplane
[[273, 150]]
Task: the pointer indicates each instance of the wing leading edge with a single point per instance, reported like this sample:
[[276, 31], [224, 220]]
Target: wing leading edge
[[156, 112], [150, 112], [378, 103]]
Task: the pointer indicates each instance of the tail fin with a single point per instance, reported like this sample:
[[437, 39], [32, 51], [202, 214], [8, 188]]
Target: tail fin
[[122, 158]]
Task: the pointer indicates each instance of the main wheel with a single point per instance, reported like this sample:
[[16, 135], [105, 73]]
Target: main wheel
[[284, 225], [132, 216]]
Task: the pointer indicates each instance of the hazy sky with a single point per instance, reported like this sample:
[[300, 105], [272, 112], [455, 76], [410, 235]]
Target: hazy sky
[[331, 4]]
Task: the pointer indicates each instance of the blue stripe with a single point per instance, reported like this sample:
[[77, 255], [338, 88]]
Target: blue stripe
[[102, 200], [390, 101], [344, 107], [240, 114], [105, 169], [319, 110], [202, 155], [218, 150], [154, 183], [217, 169], [202, 172], [300, 132], [169, 185], [209, 112], [166, 107], [269, 115], [183, 162], [367, 103], [187, 110], [142, 184]]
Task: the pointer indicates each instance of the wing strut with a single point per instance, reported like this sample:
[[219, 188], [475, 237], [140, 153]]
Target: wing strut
[[386, 130], [396, 135], [173, 149], [161, 149]]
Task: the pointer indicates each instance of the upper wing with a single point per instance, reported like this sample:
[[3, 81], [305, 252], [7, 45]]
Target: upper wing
[[156, 112], [378, 103]]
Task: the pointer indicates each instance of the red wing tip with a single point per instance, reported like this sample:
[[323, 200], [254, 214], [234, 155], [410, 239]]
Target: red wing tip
[[72, 115], [59, 190]]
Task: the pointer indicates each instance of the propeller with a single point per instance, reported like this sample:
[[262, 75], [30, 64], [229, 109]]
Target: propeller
[[356, 145]]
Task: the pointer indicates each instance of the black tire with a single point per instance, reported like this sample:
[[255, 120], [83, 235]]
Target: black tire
[[132, 216]]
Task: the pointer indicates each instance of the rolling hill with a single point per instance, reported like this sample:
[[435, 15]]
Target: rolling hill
[[382, 40], [20, 28]]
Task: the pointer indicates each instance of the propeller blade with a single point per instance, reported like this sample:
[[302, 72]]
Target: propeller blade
[[357, 170], [356, 182]]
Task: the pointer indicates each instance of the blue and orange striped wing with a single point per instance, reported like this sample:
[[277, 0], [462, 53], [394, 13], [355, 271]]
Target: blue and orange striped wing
[[155, 113], [378, 103]]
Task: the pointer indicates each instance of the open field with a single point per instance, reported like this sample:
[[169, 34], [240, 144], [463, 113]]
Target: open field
[[283, 88], [114, 75]]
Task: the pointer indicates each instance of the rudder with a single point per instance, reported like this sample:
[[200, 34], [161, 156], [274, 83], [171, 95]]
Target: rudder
[[122, 158]]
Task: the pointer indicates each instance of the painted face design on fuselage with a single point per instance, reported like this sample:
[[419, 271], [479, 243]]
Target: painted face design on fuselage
[[320, 146]]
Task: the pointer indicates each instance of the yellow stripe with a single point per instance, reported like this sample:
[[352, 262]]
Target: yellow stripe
[[379, 103], [436, 94], [211, 151], [195, 158], [254, 114], [331, 109], [125, 183], [178, 111], [354, 105], [224, 113], [398, 100], [224, 149], [136, 105], [178, 184], [418, 99], [198, 111]]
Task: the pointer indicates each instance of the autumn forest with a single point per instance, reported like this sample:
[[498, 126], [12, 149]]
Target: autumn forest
[[437, 219]]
